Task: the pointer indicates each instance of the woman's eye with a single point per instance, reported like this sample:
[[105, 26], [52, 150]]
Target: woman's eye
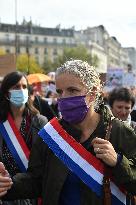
[[73, 90], [24, 86]]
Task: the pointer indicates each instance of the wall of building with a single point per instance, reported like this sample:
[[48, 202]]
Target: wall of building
[[46, 43]]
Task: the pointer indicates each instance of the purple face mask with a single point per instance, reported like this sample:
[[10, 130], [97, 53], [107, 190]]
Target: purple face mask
[[73, 109]]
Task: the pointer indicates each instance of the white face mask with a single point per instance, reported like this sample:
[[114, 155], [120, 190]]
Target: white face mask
[[18, 97]]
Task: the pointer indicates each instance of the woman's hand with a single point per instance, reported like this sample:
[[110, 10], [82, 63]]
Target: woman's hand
[[5, 180], [105, 151]]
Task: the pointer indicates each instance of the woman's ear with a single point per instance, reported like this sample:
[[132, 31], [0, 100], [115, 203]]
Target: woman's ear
[[92, 95]]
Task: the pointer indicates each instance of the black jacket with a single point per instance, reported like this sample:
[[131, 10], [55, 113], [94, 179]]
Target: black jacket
[[43, 107], [47, 174]]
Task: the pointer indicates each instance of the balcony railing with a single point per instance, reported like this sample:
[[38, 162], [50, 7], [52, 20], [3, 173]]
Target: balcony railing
[[26, 43]]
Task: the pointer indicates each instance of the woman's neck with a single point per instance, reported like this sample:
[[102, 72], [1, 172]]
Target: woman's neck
[[88, 125], [17, 111]]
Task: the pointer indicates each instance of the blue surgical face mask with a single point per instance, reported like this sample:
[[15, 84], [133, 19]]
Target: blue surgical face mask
[[18, 97]]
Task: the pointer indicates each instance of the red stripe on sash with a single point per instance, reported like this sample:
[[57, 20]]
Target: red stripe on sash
[[91, 159], [18, 136]]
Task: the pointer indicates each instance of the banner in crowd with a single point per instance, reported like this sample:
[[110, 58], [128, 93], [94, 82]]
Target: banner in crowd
[[114, 78], [129, 79], [117, 77]]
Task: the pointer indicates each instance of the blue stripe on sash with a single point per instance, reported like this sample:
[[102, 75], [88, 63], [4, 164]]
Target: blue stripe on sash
[[96, 187], [116, 201], [12, 148], [88, 180]]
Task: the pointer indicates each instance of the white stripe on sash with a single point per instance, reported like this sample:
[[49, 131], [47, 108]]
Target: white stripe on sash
[[16, 144]]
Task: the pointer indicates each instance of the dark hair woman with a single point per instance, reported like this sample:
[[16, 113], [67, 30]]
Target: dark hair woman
[[11, 82], [20, 122]]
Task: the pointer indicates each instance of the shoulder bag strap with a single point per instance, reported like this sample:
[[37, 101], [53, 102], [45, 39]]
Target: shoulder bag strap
[[106, 178]]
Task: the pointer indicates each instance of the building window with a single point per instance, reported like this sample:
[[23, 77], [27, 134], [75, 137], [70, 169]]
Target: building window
[[45, 40], [36, 51], [18, 37], [27, 50], [27, 38], [54, 60], [18, 49], [36, 39], [7, 37], [55, 40], [55, 51], [45, 51], [27, 41], [7, 50], [64, 41]]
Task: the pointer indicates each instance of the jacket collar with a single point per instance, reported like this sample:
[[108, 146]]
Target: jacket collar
[[100, 131]]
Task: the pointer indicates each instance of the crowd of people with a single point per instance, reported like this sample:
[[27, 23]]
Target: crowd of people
[[85, 154]]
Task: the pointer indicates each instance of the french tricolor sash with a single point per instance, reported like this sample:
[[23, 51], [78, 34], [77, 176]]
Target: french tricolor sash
[[85, 165], [15, 143]]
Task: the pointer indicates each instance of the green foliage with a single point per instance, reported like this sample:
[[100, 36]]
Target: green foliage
[[79, 52], [47, 65], [28, 64]]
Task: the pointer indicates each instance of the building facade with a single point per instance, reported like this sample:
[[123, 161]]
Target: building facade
[[89, 38], [131, 51], [117, 56], [38, 41], [47, 43]]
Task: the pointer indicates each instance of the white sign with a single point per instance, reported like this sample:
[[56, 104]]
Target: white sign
[[129, 79], [114, 77]]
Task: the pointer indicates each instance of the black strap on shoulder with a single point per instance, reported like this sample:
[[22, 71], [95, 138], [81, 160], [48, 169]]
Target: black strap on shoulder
[[106, 178], [38, 103], [1, 144]]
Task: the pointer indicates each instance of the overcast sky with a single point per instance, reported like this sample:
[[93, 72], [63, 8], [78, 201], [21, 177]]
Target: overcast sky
[[117, 16]]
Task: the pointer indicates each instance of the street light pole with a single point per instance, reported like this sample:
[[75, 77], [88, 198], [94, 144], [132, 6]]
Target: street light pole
[[28, 62], [16, 43]]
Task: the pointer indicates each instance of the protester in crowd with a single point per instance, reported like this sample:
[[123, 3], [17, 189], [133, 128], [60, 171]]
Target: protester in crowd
[[68, 162], [19, 125], [51, 98], [122, 101], [41, 104], [133, 113]]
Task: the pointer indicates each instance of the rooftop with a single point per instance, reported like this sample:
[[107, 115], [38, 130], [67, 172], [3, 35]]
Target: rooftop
[[29, 28]]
